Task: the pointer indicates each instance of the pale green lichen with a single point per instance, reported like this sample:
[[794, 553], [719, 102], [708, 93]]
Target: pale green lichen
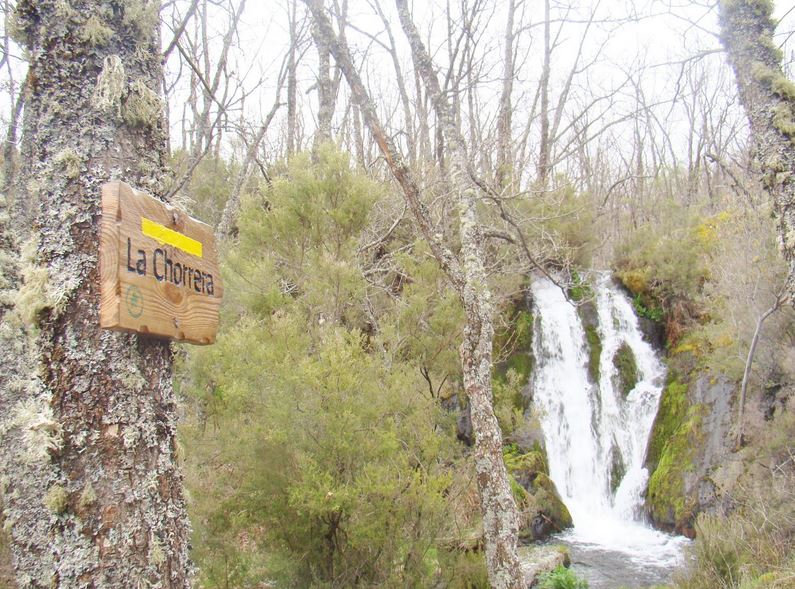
[[763, 73], [95, 32], [143, 15], [69, 161], [778, 83], [32, 297], [56, 499], [143, 106], [130, 436], [110, 86], [18, 26], [783, 87], [88, 497], [132, 379], [784, 120], [157, 556], [41, 432], [64, 10], [38, 292]]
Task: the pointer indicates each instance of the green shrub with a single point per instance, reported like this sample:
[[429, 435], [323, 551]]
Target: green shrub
[[316, 455], [562, 578]]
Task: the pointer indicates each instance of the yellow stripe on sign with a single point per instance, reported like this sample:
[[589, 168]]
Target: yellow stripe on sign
[[163, 234]]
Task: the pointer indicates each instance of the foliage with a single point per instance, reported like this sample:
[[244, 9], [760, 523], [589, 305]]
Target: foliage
[[580, 289], [318, 456], [653, 312], [561, 225], [513, 365], [665, 261], [562, 578], [747, 274], [209, 187]]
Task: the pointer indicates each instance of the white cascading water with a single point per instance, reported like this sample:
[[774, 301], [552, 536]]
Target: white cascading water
[[592, 433]]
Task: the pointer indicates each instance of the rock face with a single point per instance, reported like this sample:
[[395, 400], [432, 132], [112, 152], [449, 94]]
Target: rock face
[[542, 512], [690, 442]]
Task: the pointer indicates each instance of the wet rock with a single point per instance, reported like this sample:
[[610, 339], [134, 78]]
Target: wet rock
[[690, 445], [542, 512], [463, 426]]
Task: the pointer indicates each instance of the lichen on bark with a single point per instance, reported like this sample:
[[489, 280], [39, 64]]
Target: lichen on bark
[[768, 97], [93, 493]]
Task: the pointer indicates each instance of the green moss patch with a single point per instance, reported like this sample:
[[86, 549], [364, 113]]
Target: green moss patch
[[626, 369], [542, 510], [594, 351], [676, 432], [670, 415]]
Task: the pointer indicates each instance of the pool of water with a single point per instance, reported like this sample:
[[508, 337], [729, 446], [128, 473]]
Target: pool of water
[[624, 554]]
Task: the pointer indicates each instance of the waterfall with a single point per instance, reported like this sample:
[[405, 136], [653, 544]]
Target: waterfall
[[595, 436]]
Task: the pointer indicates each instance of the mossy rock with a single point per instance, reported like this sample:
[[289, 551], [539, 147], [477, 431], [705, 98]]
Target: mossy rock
[[618, 469], [542, 510], [626, 369], [594, 351], [676, 433]]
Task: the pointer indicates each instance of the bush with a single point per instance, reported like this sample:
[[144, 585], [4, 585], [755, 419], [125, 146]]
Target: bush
[[316, 457], [562, 578]]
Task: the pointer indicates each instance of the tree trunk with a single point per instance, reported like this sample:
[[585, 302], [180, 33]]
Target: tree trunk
[[468, 277], [768, 98], [504, 172], [292, 82], [93, 490], [500, 520], [544, 144], [325, 111]]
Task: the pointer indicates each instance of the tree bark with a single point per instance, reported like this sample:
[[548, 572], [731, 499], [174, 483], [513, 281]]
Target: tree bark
[[292, 81], [768, 98], [93, 490], [468, 277], [325, 111], [544, 144], [504, 172]]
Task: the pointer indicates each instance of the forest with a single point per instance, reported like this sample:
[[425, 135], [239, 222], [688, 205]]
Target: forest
[[506, 294]]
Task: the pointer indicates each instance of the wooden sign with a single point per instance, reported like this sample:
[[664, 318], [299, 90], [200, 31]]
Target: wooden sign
[[158, 268]]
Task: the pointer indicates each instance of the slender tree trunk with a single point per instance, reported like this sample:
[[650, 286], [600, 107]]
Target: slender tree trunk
[[544, 145], [93, 491], [768, 98], [504, 156], [325, 111], [292, 81], [228, 219], [500, 521], [468, 277], [747, 373]]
